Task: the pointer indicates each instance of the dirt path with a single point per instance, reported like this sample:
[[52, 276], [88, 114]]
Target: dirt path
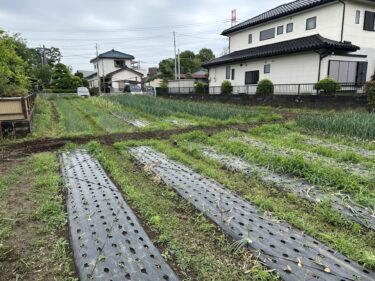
[[15, 150]]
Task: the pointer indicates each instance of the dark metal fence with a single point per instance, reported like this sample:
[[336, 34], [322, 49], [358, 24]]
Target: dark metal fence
[[278, 89]]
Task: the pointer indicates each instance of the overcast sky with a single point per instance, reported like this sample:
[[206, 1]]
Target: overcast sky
[[142, 28]]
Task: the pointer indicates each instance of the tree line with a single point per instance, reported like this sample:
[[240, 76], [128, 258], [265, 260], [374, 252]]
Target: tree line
[[24, 69], [189, 63]]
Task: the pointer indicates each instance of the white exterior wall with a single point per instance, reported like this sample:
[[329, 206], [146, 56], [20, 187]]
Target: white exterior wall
[[122, 76], [109, 66], [328, 24], [291, 69], [354, 32]]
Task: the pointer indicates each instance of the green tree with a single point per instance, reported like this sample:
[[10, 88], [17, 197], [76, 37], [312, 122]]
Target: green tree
[[205, 55], [43, 74], [166, 67], [13, 74], [189, 62], [61, 77]]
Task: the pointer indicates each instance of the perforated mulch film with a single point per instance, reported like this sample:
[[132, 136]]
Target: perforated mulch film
[[107, 239], [303, 189], [293, 254]]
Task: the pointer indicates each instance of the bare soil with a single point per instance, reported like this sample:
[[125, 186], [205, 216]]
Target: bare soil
[[15, 150], [27, 253]]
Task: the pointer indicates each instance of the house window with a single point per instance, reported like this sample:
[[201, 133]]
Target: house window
[[280, 30], [267, 68], [233, 73], [227, 72], [250, 40], [119, 63], [357, 16], [267, 34], [289, 27], [94, 66], [311, 23], [251, 77], [352, 72], [369, 24]]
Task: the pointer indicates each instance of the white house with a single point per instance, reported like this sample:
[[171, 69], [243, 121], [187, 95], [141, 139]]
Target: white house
[[114, 69], [300, 42]]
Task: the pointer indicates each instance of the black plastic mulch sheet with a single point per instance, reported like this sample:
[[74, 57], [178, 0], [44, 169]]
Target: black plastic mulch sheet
[[107, 239], [293, 254]]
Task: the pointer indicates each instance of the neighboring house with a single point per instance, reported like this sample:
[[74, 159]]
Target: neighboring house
[[115, 69], [199, 76], [301, 42]]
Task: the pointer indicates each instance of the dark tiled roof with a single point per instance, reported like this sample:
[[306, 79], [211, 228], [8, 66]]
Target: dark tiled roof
[[309, 43], [113, 54], [122, 69], [278, 12]]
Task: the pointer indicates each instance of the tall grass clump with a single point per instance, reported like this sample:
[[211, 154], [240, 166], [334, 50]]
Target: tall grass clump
[[163, 107], [358, 125]]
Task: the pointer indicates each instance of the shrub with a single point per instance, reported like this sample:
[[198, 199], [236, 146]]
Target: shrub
[[94, 91], [199, 88], [370, 93], [265, 87], [226, 87], [63, 91], [14, 91], [327, 85]]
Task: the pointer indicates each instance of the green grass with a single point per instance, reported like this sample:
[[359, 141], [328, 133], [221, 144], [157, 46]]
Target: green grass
[[32, 247], [198, 248], [320, 221], [360, 125], [72, 120], [167, 107], [43, 119], [281, 136]]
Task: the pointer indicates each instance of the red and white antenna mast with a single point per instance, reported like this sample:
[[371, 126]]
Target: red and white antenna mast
[[234, 17]]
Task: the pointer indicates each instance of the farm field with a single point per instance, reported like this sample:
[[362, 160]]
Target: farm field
[[277, 200], [72, 116]]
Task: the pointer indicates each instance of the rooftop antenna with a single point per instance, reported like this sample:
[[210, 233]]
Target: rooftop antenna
[[234, 17]]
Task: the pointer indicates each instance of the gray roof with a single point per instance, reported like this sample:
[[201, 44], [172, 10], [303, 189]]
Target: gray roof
[[113, 54], [86, 73], [278, 12], [303, 44], [123, 69]]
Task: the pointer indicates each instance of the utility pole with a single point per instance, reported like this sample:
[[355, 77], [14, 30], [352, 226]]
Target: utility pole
[[179, 65], [103, 76], [175, 56], [97, 68], [44, 55]]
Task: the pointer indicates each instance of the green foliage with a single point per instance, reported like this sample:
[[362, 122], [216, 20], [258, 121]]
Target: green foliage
[[61, 77], [166, 67], [199, 88], [13, 69], [205, 55], [94, 91], [351, 124], [226, 87], [166, 107], [43, 74], [265, 87], [328, 85], [164, 84], [370, 93]]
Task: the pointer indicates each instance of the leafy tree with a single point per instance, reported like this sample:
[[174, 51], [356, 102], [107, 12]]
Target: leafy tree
[[79, 74], [61, 77], [13, 77], [166, 67], [43, 74], [205, 55], [189, 62]]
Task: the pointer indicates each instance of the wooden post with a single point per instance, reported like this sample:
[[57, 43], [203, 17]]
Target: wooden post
[[24, 108]]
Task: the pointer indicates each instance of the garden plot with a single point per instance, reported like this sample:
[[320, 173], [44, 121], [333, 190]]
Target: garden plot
[[293, 254], [355, 169], [302, 189], [340, 147], [107, 240], [136, 122]]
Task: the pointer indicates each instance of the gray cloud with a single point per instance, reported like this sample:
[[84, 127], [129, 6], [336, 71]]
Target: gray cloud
[[139, 27]]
